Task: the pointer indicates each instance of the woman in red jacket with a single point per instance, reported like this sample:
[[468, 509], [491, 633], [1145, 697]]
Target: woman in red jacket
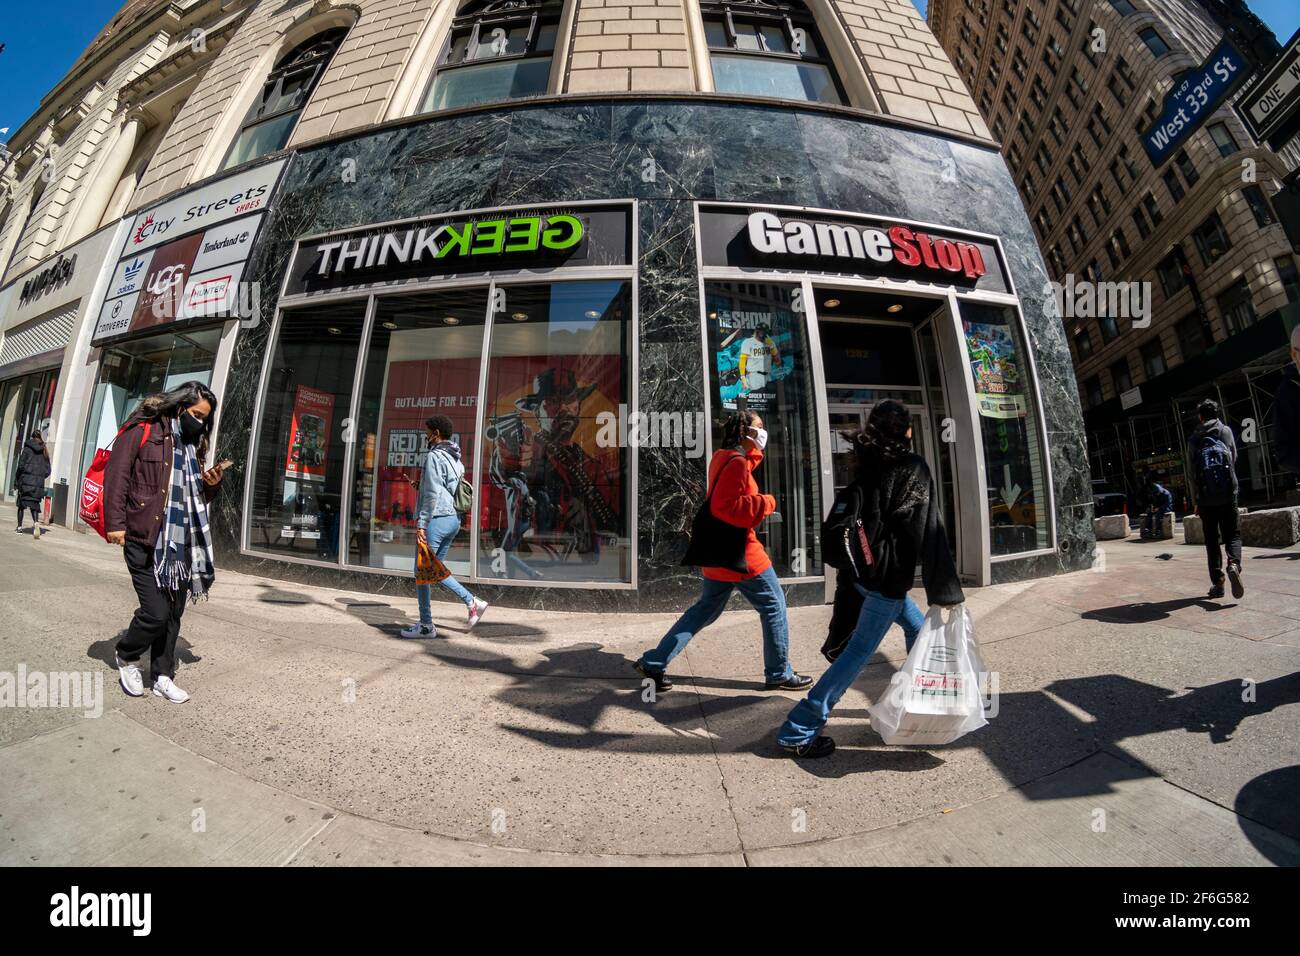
[[736, 500]]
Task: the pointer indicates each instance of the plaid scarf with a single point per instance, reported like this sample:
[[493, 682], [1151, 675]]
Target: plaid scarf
[[183, 551]]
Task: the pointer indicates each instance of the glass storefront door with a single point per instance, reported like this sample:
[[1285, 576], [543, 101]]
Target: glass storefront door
[[26, 404], [131, 371]]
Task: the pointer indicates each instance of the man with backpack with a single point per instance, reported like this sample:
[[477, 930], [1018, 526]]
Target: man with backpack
[[1212, 468]]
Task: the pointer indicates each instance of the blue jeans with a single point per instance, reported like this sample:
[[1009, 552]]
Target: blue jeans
[[441, 532], [878, 613], [763, 592]]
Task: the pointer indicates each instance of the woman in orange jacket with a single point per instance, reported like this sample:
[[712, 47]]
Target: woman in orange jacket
[[737, 501]]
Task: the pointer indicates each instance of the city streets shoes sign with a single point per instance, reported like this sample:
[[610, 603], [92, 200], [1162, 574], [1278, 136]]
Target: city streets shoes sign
[[843, 244], [184, 259], [1190, 103], [463, 244], [1271, 104]]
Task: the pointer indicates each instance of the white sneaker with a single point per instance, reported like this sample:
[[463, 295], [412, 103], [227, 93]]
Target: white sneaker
[[165, 688], [36, 531], [476, 611], [420, 631], [129, 676]]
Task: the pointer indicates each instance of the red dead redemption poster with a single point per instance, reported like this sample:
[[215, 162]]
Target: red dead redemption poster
[[309, 434], [414, 391]]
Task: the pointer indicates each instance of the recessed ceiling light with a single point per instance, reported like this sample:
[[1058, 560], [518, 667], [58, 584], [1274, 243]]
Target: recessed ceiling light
[[593, 313], [389, 325], [713, 315], [831, 303], [334, 331], [896, 307], [450, 320], [520, 316]]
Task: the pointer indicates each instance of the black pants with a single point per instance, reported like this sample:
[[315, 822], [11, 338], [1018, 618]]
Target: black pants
[[35, 515], [1220, 524], [157, 621]]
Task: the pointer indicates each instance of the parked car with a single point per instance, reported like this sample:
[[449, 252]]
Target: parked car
[[1106, 500]]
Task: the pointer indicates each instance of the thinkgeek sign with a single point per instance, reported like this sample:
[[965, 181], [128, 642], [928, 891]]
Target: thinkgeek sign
[[846, 244], [468, 243]]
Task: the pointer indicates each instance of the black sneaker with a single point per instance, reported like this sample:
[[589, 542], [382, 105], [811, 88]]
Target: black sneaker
[[1216, 589], [818, 747], [1234, 575], [793, 682], [662, 683]]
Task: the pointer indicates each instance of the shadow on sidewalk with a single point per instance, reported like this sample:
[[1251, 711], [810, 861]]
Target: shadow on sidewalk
[[1148, 612]]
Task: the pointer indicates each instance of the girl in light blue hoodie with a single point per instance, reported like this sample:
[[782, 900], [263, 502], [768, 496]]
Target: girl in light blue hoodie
[[438, 522]]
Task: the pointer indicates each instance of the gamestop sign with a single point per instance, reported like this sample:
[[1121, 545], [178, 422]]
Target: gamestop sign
[[848, 245]]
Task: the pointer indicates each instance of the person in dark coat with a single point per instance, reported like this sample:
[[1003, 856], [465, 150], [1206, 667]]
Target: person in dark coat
[[899, 499], [1286, 411], [156, 494], [1212, 468], [29, 481]]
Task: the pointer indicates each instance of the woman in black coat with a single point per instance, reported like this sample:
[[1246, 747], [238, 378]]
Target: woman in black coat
[[33, 469]]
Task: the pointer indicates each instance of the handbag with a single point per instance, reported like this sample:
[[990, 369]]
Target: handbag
[[713, 542], [92, 485], [429, 568], [938, 693]]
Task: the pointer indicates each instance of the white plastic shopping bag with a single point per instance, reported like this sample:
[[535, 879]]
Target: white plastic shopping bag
[[938, 694]]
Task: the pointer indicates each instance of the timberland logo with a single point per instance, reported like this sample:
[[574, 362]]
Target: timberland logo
[[76, 909]]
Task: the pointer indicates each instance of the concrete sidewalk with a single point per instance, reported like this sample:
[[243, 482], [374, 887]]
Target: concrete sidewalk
[[316, 736]]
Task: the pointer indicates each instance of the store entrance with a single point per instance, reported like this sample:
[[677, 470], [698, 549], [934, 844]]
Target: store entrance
[[882, 345]]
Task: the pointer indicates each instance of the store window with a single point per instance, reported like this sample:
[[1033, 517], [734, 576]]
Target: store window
[[769, 49], [554, 503], [759, 359], [497, 50], [26, 405], [1017, 495], [423, 359], [297, 487], [131, 371], [271, 119]]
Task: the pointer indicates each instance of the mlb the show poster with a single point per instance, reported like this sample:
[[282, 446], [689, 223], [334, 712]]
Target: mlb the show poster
[[309, 434], [999, 390], [753, 347]]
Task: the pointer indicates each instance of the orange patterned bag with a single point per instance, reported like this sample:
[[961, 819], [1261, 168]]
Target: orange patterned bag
[[428, 568]]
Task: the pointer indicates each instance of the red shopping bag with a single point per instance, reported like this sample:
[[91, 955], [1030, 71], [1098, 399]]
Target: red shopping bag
[[92, 486]]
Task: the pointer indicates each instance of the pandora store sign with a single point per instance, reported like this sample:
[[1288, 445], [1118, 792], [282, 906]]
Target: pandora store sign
[[462, 244], [798, 241]]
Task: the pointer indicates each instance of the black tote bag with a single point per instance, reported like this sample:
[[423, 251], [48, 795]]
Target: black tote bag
[[715, 543]]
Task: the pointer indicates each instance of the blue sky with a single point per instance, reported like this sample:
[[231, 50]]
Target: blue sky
[[40, 48]]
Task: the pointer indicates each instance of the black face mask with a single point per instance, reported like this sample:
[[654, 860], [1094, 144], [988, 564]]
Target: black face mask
[[191, 428]]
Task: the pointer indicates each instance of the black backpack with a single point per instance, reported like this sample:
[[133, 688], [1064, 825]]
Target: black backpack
[[1214, 477], [713, 542], [845, 541]]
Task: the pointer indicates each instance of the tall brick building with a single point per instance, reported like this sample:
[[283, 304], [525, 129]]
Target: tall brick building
[[538, 217], [1068, 88]]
